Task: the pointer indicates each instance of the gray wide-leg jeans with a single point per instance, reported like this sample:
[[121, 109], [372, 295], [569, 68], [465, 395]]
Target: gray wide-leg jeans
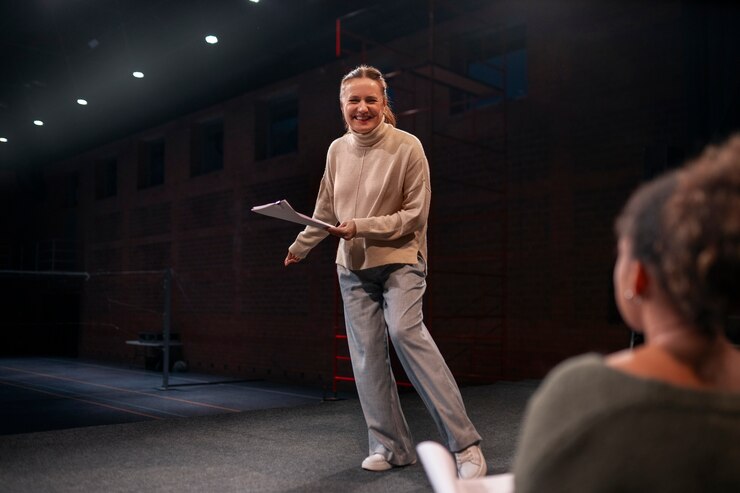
[[387, 301]]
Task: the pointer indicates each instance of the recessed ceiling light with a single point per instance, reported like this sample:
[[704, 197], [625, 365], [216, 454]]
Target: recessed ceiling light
[[82, 102], [211, 39], [138, 75], [3, 139], [38, 123], [255, 1]]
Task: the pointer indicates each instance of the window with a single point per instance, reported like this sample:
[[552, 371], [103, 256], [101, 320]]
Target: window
[[277, 127], [151, 163], [106, 178], [496, 58], [207, 147]]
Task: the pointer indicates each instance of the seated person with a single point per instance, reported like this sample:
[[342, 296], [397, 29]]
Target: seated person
[[664, 416]]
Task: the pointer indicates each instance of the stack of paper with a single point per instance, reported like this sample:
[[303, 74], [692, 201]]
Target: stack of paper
[[282, 210]]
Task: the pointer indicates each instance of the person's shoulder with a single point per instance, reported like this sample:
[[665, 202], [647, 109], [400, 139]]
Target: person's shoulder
[[405, 142], [339, 146], [567, 404], [568, 383], [586, 366], [573, 396], [403, 136], [342, 140]]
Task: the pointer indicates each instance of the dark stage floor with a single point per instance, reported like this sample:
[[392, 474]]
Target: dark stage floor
[[38, 394], [72, 426]]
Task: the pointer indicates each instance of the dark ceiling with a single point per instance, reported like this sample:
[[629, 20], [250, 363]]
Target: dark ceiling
[[56, 51]]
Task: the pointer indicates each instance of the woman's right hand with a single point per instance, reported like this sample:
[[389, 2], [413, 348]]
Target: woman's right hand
[[291, 259]]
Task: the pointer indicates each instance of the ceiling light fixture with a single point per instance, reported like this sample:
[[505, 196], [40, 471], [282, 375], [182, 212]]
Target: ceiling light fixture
[[38, 123], [3, 139], [82, 102], [255, 1], [211, 39], [138, 75]]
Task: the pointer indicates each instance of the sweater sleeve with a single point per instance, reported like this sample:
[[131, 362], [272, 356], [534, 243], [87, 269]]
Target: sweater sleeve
[[324, 211], [412, 216]]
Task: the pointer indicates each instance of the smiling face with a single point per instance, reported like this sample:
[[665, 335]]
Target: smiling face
[[362, 104]]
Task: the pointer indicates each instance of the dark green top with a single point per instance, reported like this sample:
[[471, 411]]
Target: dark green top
[[591, 428]]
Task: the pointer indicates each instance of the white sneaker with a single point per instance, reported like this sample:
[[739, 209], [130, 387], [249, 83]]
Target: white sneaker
[[377, 463], [471, 463]]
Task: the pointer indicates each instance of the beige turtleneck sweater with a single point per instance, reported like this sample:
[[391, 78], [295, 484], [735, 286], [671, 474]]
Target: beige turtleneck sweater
[[381, 180]]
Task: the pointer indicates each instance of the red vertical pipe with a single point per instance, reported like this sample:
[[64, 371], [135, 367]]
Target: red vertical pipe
[[336, 336]]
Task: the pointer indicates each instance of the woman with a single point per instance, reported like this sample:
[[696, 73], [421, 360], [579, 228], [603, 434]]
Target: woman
[[665, 416], [376, 185]]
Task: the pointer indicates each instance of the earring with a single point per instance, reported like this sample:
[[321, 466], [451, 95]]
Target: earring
[[628, 295]]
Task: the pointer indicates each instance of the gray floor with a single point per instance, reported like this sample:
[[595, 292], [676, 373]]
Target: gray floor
[[38, 394], [110, 429]]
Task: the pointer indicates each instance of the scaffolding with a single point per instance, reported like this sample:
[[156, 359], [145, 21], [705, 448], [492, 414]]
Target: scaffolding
[[49, 255], [460, 118], [97, 290]]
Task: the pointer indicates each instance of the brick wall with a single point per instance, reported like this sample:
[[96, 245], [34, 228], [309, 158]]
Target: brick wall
[[521, 242]]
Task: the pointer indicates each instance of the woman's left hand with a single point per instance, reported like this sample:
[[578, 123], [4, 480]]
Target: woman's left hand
[[347, 230]]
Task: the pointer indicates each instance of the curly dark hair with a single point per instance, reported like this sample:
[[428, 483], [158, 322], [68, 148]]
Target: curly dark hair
[[685, 227], [641, 221], [701, 258]]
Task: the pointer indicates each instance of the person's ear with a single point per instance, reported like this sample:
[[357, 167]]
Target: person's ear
[[642, 279]]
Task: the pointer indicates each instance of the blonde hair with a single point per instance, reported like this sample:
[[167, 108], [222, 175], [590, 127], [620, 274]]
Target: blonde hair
[[369, 72]]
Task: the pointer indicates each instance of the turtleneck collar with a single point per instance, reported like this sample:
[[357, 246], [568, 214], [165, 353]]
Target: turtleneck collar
[[372, 137]]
